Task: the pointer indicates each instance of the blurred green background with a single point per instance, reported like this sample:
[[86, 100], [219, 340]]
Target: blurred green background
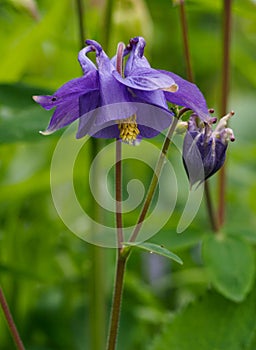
[[47, 273]]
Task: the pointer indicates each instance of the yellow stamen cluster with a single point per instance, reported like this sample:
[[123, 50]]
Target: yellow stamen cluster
[[128, 129]]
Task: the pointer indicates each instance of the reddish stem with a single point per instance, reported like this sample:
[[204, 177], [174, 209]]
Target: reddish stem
[[10, 322], [119, 221], [121, 258], [224, 97], [184, 27], [117, 300], [81, 26]]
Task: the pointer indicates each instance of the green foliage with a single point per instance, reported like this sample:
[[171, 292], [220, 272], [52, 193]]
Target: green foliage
[[212, 322], [20, 119], [230, 263], [155, 249], [47, 273]]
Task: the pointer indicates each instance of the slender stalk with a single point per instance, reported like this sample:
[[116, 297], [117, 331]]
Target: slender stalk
[[227, 16], [98, 271], [97, 312], [121, 257], [117, 300], [211, 212], [154, 180], [81, 26], [107, 23], [119, 223], [184, 27], [12, 327], [97, 298]]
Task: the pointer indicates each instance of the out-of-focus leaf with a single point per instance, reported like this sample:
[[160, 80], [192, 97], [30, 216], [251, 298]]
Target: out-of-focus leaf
[[23, 126], [28, 5], [170, 238], [130, 18], [21, 50], [247, 66], [201, 5], [243, 105], [20, 118], [247, 233], [156, 249], [230, 263], [19, 96], [212, 322]]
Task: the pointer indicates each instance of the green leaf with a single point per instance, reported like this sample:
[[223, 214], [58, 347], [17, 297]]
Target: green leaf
[[30, 6], [213, 322], [230, 263], [20, 117], [27, 45], [19, 96], [156, 249]]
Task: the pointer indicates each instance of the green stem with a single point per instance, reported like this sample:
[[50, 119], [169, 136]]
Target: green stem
[[97, 312], [154, 181], [184, 26], [97, 298], [107, 23], [12, 327], [98, 271], [81, 26], [227, 12]]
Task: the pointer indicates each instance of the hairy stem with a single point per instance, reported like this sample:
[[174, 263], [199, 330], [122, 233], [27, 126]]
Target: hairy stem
[[184, 26], [227, 12], [10, 322], [154, 181]]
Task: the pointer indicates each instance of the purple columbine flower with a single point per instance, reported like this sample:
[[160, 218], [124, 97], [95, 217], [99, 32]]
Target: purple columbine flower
[[107, 102], [101, 100], [115, 115], [204, 149], [187, 95]]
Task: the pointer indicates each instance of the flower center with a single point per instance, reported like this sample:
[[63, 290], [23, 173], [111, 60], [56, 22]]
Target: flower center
[[128, 129]]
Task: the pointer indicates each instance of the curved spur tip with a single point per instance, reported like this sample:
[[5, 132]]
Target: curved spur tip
[[46, 132], [36, 98]]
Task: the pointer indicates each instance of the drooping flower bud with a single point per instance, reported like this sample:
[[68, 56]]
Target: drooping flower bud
[[204, 149]]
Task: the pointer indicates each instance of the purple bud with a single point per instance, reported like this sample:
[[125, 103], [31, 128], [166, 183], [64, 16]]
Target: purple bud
[[204, 149]]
